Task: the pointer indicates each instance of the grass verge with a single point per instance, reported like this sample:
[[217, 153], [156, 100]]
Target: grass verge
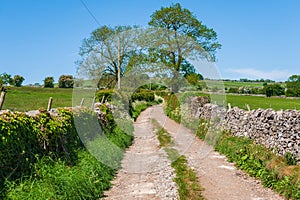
[[279, 173], [57, 180], [186, 178]]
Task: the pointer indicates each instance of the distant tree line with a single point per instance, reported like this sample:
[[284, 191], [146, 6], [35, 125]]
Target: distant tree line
[[257, 80], [291, 88], [64, 81], [7, 79]]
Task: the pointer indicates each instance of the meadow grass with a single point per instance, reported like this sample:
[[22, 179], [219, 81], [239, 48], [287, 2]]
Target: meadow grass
[[230, 84], [256, 102], [34, 98], [31, 98]]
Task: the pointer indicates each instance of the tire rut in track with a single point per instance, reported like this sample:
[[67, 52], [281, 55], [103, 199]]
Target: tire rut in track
[[146, 172]]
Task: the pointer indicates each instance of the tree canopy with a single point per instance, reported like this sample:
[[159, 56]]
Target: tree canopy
[[108, 52], [182, 36], [175, 36], [293, 86], [183, 21], [18, 80]]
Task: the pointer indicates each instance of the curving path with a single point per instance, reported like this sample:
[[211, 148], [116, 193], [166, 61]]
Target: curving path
[[146, 172]]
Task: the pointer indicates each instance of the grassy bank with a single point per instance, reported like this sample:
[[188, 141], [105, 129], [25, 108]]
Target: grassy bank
[[56, 163], [281, 174]]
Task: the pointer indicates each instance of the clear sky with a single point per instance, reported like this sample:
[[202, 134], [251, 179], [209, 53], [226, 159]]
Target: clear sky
[[39, 38]]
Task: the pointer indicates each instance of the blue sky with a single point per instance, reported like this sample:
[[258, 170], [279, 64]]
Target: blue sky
[[260, 38]]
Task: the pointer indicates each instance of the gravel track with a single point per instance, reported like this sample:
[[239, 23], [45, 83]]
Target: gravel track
[[146, 172]]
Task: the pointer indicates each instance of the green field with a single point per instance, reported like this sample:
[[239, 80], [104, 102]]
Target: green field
[[31, 98], [263, 102], [253, 101], [229, 84]]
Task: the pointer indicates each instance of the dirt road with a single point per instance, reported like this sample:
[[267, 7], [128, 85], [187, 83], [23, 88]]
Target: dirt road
[[147, 174]]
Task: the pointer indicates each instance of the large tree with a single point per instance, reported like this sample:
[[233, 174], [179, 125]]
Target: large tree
[[182, 35], [108, 52]]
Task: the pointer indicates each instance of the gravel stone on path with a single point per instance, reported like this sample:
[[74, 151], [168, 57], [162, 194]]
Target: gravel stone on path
[[146, 171]]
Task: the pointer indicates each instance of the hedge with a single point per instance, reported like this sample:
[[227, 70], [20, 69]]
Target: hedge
[[26, 140]]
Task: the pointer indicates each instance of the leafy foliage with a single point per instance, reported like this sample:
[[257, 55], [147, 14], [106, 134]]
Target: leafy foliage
[[46, 152], [183, 21], [49, 82], [143, 96], [273, 90], [293, 86], [66, 81], [6, 79], [107, 54], [18, 80], [106, 95], [172, 107]]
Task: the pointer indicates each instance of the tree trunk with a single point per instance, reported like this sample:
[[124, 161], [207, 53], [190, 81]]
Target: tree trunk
[[119, 67]]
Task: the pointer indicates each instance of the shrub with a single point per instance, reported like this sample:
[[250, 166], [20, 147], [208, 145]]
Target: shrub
[[233, 90], [66, 81], [273, 90], [106, 94], [49, 82], [162, 94], [293, 86], [151, 87], [143, 96], [42, 157], [24, 139], [172, 107], [18, 80]]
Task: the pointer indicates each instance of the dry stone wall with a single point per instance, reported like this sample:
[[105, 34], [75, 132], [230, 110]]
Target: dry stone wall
[[278, 130]]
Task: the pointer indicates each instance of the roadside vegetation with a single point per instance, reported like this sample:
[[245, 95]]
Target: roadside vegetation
[[280, 173], [43, 157], [186, 178]]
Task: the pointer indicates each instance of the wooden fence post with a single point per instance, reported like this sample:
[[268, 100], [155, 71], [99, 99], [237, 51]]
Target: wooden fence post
[[2, 97], [102, 100], [93, 103], [229, 106], [50, 104], [248, 107], [82, 102]]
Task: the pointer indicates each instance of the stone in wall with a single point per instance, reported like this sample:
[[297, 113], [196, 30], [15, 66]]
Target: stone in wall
[[278, 130]]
